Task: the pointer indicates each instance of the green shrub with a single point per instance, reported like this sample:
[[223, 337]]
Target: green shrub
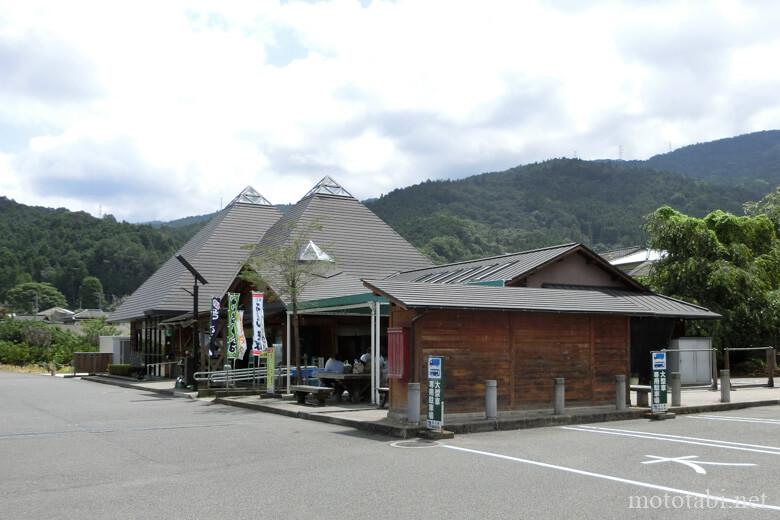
[[13, 353], [121, 370]]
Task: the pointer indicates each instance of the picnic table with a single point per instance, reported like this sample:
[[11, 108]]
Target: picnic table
[[358, 385]]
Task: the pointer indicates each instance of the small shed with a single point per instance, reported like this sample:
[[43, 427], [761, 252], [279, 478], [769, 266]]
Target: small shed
[[521, 336]]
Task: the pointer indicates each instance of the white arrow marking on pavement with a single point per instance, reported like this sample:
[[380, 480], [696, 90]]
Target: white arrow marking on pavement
[[723, 500], [696, 466]]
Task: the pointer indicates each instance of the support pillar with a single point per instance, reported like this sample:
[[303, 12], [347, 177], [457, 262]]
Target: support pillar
[[288, 353]]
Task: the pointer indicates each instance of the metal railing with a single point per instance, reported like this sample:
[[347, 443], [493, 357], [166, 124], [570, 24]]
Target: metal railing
[[162, 369], [255, 375], [771, 364]]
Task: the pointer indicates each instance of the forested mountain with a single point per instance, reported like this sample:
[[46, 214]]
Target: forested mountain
[[63, 247], [602, 204], [749, 160]]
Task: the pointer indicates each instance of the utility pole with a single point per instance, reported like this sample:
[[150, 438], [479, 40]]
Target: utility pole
[[195, 332]]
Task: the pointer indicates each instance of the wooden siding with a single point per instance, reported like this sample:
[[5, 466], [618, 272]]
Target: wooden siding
[[522, 351]]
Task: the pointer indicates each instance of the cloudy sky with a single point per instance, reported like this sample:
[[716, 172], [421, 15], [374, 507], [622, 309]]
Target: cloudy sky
[[158, 110]]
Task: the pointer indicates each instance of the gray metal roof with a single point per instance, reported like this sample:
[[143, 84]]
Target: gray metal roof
[[361, 244], [215, 251], [492, 269], [580, 301], [614, 254]]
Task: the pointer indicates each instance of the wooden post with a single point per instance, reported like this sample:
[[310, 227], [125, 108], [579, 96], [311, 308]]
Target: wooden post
[[770, 366]]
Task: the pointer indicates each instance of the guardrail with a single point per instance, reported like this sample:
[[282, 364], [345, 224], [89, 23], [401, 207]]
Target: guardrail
[[257, 375]]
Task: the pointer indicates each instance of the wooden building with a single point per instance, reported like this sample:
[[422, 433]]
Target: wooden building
[[521, 319]]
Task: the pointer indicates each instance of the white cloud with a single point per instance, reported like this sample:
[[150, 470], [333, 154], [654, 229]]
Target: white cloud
[[159, 109]]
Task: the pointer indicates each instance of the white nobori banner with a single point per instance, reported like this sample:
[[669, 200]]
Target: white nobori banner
[[259, 342]]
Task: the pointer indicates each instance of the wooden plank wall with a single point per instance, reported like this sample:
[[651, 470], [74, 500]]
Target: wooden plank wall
[[522, 351]]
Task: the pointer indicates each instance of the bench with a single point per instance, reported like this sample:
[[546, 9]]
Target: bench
[[319, 392], [642, 394], [384, 393]]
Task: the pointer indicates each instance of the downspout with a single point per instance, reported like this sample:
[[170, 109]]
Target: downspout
[[413, 349]]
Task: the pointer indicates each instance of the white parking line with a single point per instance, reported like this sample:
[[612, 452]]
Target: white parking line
[[736, 419], [755, 448], [740, 503]]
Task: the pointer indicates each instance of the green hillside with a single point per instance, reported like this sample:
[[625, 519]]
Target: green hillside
[[62, 247], [750, 160], [599, 203]]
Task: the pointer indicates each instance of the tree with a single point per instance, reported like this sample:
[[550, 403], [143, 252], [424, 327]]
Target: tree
[[91, 293], [281, 267], [728, 263], [32, 297], [93, 329]]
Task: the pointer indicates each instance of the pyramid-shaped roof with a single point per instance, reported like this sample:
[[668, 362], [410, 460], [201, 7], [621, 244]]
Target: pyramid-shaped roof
[[215, 251], [360, 244], [327, 186]]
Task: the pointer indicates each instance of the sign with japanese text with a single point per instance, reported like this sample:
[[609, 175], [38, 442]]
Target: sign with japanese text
[[259, 341], [231, 338], [658, 384], [435, 419], [214, 315]]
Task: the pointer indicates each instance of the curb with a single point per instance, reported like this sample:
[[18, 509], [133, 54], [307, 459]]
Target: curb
[[134, 386], [406, 432], [388, 430]]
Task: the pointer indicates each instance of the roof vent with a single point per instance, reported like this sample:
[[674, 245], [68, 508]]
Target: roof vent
[[327, 186], [312, 253]]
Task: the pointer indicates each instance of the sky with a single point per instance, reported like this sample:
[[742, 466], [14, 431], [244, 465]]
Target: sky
[[164, 109]]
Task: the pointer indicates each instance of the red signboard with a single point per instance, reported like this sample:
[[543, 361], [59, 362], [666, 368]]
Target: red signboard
[[397, 352]]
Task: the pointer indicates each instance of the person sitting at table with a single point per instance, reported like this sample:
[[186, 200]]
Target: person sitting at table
[[333, 365]]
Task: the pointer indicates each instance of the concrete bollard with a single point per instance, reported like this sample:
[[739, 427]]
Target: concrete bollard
[[413, 403], [676, 388], [559, 396], [725, 386], [491, 399], [620, 392]]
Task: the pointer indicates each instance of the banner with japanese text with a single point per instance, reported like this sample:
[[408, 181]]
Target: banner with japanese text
[[214, 315], [231, 339], [259, 341]]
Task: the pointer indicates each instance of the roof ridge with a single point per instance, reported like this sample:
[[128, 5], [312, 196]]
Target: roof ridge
[[485, 259]]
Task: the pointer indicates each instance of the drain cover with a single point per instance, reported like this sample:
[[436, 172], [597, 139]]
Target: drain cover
[[414, 443]]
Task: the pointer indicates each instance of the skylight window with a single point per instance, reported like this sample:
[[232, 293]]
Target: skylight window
[[312, 253]]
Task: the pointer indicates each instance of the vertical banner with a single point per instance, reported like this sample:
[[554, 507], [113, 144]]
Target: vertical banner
[[240, 337], [435, 393], [231, 340], [213, 327], [659, 382], [259, 342], [270, 368]]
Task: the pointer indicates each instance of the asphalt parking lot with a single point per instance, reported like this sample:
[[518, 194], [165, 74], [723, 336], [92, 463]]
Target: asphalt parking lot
[[70, 448]]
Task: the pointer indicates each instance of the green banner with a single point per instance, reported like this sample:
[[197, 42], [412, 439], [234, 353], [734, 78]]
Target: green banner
[[231, 337], [270, 368]]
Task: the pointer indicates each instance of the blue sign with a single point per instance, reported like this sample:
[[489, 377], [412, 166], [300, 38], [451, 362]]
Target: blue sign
[[434, 367], [659, 360]]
